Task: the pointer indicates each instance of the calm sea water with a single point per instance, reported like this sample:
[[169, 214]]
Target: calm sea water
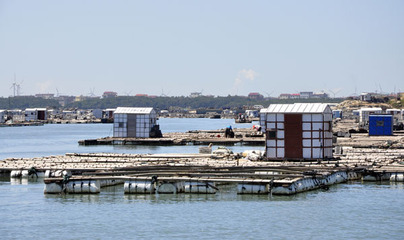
[[347, 211]]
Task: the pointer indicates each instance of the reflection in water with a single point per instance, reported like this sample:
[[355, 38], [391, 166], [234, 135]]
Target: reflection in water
[[19, 181], [397, 185], [68, 198]]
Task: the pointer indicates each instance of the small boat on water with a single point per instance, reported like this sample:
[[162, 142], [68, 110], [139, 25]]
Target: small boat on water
[[241, 118]]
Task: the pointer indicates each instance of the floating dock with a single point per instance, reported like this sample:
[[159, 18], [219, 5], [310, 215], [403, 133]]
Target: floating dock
[[204, 173], [217, 137]]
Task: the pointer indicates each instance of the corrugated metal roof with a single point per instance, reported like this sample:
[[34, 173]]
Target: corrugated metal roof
[[131, 110], [298, 108], [35, 109], [370, 109]]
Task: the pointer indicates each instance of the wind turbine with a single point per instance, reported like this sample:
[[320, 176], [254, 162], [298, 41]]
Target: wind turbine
[[19, 88], [128, 93], [163, 94], [269, 94], [92, 92], [335, 91]]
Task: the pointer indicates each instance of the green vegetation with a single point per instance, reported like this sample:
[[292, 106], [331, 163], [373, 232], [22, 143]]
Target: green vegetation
[[231, 102], [23, 102], [397, 102]]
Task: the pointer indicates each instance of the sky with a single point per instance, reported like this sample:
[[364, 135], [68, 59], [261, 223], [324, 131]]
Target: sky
[[85, 47]]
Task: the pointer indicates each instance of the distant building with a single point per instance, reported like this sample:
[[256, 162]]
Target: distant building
[[295, 96], [134, 122], [34, 114], [320, 95], [284, 96], [195, 94], [255, 95], [365, 97], [109, 94], [258, 107], [141, 95], [306, 95], [45, 95], [303, 95], [297, 131]]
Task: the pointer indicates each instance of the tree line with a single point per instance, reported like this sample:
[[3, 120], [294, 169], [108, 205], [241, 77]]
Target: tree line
[[227, 102]]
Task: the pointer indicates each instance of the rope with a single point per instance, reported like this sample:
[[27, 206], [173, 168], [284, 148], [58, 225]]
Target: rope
[[32, 171]]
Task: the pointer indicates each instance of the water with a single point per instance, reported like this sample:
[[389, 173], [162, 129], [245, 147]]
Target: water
[[347, 211], [58, 139]]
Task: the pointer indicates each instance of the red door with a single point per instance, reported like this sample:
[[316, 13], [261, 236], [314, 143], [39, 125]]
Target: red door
[[293, 136], [41, 115]]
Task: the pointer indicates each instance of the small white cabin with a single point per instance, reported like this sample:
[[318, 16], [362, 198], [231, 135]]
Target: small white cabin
[[34, 114], [134, 122], [297, 131], [252, 113], [108, 113], [16, 115], [365, 112], [397, 113], [3, 116]]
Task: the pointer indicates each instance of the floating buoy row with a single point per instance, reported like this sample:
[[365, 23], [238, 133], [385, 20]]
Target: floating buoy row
[[38, 174], [310, 183], [163, 187], [246, 188]]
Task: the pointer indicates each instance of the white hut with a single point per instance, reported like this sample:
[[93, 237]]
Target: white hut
[[134, 122], [16, 114], [34, 114], [108, 113], [2, 116], [297, 131], [365, 112]]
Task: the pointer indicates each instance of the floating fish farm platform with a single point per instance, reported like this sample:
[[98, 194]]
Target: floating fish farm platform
[[75, 173]]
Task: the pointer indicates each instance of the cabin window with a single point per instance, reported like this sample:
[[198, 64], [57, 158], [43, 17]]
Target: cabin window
[[120, 125], [379, 123], [271, 134]]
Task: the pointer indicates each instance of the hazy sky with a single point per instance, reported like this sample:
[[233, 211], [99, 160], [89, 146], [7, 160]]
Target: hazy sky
[[218, 47]]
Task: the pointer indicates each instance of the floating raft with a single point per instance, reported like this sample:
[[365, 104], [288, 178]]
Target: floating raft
[[198, 185], [203, 173], [242, 136]]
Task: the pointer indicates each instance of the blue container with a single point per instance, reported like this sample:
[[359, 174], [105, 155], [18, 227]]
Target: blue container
[[336, 113], [380, 125]]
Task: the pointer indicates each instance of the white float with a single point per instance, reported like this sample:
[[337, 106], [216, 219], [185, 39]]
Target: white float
[[53, 188], [397, 177], [57, 173], [170, 187], [83, 186], [199, 187], [137, 186], [15, 173], [248, 188]]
